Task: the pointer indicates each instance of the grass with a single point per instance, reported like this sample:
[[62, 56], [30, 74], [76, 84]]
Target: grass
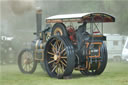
[[114, 74]]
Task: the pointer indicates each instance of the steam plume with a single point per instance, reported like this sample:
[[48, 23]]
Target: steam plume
[[19, 7]]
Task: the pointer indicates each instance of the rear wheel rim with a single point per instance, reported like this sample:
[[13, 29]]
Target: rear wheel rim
[[100, 64], [58, 31]]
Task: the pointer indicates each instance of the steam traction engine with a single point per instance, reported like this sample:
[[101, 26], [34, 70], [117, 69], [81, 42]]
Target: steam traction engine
[[61, 47]]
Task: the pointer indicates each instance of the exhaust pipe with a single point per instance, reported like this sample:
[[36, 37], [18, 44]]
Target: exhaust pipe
[[39, 21]]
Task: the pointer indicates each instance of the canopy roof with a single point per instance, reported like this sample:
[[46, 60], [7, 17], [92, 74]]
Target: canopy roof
[[81, 17]]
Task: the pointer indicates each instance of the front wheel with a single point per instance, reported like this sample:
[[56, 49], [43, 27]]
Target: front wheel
[[26, 61]]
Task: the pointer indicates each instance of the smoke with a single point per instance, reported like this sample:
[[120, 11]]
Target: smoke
[[20, 7]]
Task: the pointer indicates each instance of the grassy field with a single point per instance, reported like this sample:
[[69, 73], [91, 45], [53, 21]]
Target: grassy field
[[114, 74]]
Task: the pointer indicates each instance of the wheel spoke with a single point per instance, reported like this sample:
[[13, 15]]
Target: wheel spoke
[[63, 63], [52, 57], [26, 67], [31, 64], [62, 68], [64, 54], [54, 68], [51, 53], [62, 51], [60, 46], [54, 49], [31, 57], [57, 44], [63, 46], [64, 57], [30, 67], [51, 61], [57, 70], [24, 56]]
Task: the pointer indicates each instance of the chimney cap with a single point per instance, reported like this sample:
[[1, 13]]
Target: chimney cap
[[39, 10]]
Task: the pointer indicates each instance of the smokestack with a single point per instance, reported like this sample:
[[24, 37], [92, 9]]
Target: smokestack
[[39, 21]]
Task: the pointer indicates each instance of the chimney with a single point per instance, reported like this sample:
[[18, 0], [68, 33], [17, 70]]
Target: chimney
[[39, 21]]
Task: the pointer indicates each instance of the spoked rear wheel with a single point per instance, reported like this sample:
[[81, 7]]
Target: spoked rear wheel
[[59, 57], [26, 61], [98, 68]]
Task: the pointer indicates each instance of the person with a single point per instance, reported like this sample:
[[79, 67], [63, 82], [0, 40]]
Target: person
[[81, 30], [81, 36]]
